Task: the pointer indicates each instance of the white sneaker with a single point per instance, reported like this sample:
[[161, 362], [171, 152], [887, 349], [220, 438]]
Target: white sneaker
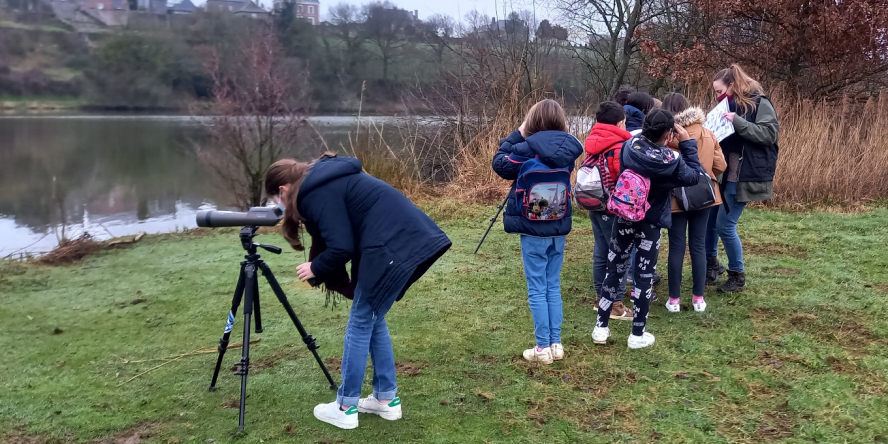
[[544, 355], [557, 352], [645, 340], [700, 306], [390, 411], [331, 414], [673, 308], [600, 335]]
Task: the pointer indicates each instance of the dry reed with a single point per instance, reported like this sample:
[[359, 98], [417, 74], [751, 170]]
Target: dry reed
[[832, 153], [71, 250]]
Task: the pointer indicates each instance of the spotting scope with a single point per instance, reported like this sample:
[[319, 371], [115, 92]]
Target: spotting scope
[[255, 217]]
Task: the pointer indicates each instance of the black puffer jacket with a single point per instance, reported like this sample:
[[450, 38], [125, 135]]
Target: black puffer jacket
[[755, 140], [665, 169]]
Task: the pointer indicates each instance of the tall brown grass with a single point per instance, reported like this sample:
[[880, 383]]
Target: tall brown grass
[[832, 153]]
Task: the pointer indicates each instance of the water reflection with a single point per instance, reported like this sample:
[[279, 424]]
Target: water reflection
[[61, 176]]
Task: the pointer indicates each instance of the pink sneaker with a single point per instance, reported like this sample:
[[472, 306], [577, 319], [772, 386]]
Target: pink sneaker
[[673, 305], [699, 304]]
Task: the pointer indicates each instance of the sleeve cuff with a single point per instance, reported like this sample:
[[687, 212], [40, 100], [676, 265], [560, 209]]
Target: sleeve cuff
[[739, 123], [687, 144], [318, 269]]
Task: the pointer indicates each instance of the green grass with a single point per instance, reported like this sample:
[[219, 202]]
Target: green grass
[[44, 28], [800, 356], [38, 104]]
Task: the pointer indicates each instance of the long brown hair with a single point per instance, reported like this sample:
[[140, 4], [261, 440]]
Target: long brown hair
[[292, 173], [545, 115], [745, 87], [675, 103]]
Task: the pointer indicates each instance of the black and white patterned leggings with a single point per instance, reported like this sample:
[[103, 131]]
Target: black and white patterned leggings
[[646, 239]]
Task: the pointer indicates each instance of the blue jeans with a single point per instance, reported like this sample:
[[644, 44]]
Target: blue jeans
[[723, 224], [543, 257], [366, 333], [602, 226]]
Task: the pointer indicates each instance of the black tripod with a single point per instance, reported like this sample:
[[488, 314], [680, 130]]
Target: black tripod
[[248, 284], [499, 210]]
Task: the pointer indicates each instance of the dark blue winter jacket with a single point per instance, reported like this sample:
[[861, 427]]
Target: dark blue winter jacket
[[647, 159], [370, 223], [556, 149], [634, 118]]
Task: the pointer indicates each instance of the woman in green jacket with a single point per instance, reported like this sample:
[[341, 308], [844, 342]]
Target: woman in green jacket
[[751, 153]]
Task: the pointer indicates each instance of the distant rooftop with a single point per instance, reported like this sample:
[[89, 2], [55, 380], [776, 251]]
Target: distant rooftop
[[183, 6], [251, 8]]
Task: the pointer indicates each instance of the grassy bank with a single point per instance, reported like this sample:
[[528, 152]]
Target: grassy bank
[[800, 356], [38, 104]]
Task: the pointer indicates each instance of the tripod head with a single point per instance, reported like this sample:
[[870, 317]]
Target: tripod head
[[246, 236]]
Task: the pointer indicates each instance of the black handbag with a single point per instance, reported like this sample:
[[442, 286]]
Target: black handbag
[[697, 196]]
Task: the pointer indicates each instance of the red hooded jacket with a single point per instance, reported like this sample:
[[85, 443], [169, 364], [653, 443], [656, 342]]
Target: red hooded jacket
[[603, 138]]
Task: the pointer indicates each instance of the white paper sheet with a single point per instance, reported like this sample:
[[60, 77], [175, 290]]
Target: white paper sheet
[[716, 122]]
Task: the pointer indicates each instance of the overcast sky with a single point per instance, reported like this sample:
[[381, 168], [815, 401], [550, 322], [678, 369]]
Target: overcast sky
[[453, 8]]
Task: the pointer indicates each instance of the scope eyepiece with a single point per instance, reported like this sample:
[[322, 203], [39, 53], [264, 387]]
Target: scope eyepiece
[[256, 216]]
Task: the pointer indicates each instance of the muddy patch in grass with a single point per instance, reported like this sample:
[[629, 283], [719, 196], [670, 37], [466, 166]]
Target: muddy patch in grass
[[402, 368], [231, 403], [132, 435], [767, 248], [18, 436], [843, 327], [487, 359], [841, 365], [410, 368], [583, 414], [801, 318], [775, 425], [333, 363], [287, 353]]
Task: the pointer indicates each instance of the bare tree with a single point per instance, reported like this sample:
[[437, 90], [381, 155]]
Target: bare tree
[[388, 27], [438, 32], [347, 21], [260, 105], [613, 43]]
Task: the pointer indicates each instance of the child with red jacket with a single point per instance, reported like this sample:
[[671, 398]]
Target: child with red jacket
[[606, 138]]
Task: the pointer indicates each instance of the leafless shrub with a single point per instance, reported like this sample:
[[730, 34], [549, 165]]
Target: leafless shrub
[[259, 108]]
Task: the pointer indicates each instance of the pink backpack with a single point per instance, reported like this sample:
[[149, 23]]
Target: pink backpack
[[629, 200]]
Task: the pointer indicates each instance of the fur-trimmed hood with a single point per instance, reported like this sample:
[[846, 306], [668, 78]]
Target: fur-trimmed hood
[[690, 116]]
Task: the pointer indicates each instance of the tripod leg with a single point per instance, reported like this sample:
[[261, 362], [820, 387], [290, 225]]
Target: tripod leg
[[306, 338], [499, 210], [256, 307], [244, 364], [223, 342]]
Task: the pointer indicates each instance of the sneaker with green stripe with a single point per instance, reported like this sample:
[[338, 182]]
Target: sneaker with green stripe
[[332, 414], [390, 411]]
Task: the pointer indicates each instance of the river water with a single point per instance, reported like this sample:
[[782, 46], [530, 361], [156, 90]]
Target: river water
[[109, 176]]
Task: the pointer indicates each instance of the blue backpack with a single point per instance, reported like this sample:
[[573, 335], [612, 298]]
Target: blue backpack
[[542, 192]]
